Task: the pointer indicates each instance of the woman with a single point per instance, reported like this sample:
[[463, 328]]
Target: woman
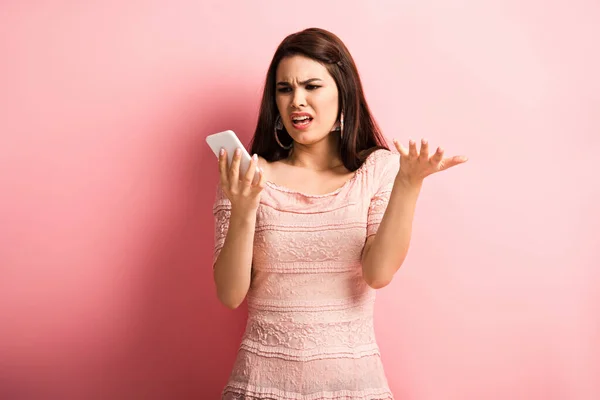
[[309, 246]]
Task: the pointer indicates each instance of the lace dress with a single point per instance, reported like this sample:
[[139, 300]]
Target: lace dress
[[309, 333]]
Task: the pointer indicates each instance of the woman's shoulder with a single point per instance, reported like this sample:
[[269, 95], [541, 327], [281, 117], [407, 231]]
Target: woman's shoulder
[[380, 158], [380, 168]]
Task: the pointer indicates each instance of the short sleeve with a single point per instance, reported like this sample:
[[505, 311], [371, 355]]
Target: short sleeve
[[221, 213], [384, 171]]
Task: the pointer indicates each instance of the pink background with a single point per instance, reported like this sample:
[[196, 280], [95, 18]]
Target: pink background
[[107, 185]]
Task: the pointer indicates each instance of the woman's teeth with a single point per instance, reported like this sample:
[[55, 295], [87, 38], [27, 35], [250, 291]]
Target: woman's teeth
[[301, 120]]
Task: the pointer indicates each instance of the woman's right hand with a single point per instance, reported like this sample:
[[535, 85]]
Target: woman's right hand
[[238, 186]]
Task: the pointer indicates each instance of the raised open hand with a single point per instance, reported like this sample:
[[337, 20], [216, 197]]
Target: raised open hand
[[416, 165]]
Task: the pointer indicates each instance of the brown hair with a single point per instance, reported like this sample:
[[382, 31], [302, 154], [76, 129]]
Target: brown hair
[[361, 134]]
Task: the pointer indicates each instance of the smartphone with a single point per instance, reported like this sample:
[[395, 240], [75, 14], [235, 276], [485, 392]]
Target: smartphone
[[230, 142]]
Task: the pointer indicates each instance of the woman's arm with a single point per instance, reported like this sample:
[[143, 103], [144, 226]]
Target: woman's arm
[[233, 267], [385, 252], [233, 264]]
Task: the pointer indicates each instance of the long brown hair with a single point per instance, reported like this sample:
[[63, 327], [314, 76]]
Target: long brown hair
[[361, 134]]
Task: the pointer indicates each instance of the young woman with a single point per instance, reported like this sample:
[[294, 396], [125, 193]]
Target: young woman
[[328, 222]]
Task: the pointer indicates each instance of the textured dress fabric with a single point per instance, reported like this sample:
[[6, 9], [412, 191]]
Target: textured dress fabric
[[309, 333]]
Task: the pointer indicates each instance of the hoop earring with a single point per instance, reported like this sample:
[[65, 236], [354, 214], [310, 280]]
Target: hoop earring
[[342, 124], [279, 126]]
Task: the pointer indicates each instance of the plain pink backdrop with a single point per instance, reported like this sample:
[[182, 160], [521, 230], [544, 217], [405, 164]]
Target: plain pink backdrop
[[107, 184]]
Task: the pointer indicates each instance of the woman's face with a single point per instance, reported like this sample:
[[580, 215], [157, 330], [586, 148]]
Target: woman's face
[[307, 99]]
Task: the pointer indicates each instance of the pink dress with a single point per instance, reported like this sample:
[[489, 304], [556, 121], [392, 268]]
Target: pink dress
[[309, 333]]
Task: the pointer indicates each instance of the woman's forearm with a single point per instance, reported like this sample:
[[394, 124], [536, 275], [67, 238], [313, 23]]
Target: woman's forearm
[[390, 245], [233, 267]]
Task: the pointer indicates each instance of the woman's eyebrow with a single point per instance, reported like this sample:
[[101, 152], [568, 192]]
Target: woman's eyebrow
[[282, 83]]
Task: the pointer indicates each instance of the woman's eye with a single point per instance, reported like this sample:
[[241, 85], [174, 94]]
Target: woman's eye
[[283, 89], [312, 87]]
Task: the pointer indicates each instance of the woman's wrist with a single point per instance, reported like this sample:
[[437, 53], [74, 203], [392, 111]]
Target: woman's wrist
[[407, 184], [242, 215]]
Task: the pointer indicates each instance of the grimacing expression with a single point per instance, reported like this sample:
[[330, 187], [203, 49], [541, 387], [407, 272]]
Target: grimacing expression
[[307, 99]]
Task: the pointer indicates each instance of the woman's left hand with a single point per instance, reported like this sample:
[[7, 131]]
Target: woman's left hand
[[416, 165]]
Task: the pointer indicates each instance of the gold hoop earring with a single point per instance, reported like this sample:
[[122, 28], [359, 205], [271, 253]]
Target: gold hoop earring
[[279, 126]]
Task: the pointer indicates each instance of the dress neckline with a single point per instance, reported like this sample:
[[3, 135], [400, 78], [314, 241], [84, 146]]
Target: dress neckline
[[347, 183]]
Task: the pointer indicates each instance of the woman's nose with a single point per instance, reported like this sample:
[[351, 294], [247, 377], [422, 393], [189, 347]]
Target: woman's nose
[[299, 99]]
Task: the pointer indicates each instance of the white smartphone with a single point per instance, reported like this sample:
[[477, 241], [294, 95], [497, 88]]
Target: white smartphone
[[230, 142]]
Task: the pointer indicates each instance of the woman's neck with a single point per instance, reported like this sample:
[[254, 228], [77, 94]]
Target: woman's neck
[[321, 156]]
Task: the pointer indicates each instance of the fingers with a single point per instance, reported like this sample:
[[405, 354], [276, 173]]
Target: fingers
[[249, 175], [412, 149], [452, 161], [263, 179], [438, 156], [436, 162], [424, 154], [401, 149], [223, 168], [412, 152], [234, 169]]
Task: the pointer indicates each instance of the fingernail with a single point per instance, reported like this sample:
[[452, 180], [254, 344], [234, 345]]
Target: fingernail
[[237, 152], [255, 157], [222, 151], [424, 141]]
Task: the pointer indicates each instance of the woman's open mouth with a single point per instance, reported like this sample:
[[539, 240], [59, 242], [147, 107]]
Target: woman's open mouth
[[301, 121]]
